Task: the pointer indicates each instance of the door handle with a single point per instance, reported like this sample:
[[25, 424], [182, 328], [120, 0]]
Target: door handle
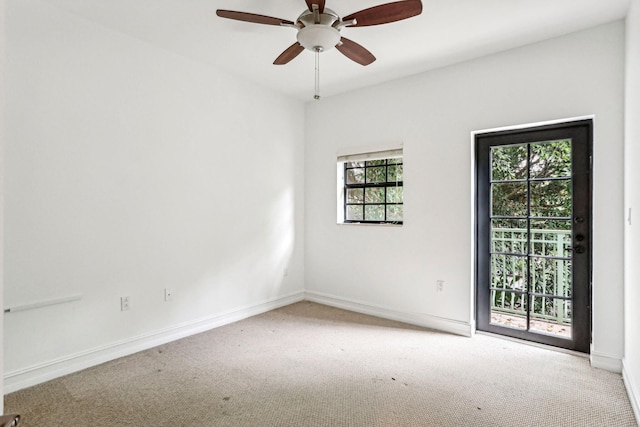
[[577, 249]]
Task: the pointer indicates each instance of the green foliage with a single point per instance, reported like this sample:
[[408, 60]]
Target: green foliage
[[548, 165]]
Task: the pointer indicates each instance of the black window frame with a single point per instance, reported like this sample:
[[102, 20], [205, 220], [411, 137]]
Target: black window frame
[[368, 164]]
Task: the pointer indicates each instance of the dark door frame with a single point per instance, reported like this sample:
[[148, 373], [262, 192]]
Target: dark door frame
[[579, 130]]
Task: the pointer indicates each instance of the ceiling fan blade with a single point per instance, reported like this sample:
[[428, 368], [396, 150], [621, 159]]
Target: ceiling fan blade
[[385, 13], [251, 17], [355, 52], [320, 4], [290, 53]]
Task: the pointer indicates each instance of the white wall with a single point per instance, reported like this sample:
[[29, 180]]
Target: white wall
[[129, 169], [632, 201], [1, 195], [392, 270]]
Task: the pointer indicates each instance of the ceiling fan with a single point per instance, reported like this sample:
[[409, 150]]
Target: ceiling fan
[[319, 28]]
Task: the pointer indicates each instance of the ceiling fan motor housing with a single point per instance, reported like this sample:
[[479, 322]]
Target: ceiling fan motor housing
[[317, 32], [318, 37]]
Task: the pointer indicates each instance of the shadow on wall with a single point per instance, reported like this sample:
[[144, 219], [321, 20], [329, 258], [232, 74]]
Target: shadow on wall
[[256, 267]]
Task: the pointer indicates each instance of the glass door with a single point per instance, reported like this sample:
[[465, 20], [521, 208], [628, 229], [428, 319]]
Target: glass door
[[533, 234]]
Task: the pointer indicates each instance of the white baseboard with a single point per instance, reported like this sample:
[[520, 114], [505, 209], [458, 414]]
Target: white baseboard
[[632, 391], [40, 373], [605, 361], [432, 322]]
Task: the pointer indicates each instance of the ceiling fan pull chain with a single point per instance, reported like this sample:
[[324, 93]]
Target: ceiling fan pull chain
[[317, 95]]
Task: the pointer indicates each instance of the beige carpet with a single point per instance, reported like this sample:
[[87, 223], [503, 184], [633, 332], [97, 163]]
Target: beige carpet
[[312, 365]]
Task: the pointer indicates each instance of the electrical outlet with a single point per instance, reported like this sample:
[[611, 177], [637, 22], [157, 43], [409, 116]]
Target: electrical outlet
[[125, 303], [439, 285], [168, 294]]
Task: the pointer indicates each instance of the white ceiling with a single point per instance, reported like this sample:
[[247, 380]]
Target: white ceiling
[[446, 32]]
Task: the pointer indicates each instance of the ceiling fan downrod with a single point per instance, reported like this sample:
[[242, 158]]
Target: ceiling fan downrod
[[317, 94]]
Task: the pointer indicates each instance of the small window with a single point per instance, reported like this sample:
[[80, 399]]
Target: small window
[[373, 190]]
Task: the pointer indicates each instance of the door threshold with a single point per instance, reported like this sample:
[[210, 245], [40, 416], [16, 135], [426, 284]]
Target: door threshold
[[535, 344]]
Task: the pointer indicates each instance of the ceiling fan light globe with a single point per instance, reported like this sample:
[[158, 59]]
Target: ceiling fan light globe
[[318, 37]]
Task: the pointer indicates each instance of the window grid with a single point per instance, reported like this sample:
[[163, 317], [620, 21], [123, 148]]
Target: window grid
[[373, 191]]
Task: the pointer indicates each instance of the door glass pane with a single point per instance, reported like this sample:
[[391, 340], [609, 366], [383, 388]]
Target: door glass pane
[[508, 162], [533, 282], [509, 309], [551, 237], [509, 199], [550, 276], [551, 316], [509, 235], [508, 272], [551, 198], [551, 159]]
